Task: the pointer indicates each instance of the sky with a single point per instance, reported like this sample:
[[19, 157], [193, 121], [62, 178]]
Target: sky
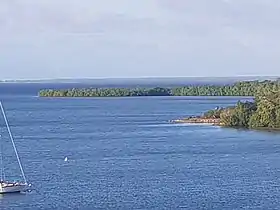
[[138, 38]]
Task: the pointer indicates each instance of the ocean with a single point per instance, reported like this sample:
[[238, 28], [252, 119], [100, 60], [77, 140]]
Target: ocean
[[124, 154]]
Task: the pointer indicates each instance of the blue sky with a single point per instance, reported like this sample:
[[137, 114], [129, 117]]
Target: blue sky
[[138, 38]]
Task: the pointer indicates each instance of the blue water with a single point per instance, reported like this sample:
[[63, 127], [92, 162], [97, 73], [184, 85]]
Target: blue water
[[123, 154]]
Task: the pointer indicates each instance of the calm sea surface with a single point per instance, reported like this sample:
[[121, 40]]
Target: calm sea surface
[[123, 154]]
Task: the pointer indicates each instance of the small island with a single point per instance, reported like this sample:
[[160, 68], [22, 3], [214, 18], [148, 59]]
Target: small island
[[262, 113]]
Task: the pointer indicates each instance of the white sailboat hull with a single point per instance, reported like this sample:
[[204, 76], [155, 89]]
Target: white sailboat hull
[[12, 188]]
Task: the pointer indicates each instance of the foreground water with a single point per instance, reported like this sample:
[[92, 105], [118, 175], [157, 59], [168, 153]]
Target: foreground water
[[123, 154]]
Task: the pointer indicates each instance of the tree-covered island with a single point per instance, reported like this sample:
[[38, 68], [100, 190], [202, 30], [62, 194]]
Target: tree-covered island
[[263, 112], [246, 88]]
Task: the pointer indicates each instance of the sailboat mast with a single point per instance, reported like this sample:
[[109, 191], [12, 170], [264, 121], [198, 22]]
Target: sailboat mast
[[12, 139], [2, 165]]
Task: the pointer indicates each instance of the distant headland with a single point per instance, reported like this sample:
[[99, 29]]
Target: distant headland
[[262, 113], [245, 88]]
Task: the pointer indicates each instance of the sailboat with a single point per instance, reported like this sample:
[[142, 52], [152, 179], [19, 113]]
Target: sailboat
[[5, 185]]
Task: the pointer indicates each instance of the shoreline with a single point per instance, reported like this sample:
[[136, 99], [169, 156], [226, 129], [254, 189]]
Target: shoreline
[[216, 122], [199, 120]]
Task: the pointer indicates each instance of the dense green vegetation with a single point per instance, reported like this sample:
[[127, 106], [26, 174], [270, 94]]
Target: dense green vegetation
[[248, 88], [263, 112], [106, 92]]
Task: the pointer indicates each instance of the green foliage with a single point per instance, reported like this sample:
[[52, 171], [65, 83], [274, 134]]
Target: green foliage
[[240, 114], [247, 88], [277, 118], [264, 112], [106, 92], [268, 110]]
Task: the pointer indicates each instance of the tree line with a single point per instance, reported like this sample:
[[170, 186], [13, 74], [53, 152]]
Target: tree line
[[246, 88]]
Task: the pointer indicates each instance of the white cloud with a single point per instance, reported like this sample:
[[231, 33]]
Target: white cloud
[[68, 15]]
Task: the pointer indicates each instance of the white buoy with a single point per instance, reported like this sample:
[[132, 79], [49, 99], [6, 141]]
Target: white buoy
[[66, 159]]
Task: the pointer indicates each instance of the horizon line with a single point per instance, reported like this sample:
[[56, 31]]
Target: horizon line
[[133, 78]]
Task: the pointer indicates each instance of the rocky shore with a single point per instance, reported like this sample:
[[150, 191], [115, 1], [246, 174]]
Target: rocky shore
[[212, 121]]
